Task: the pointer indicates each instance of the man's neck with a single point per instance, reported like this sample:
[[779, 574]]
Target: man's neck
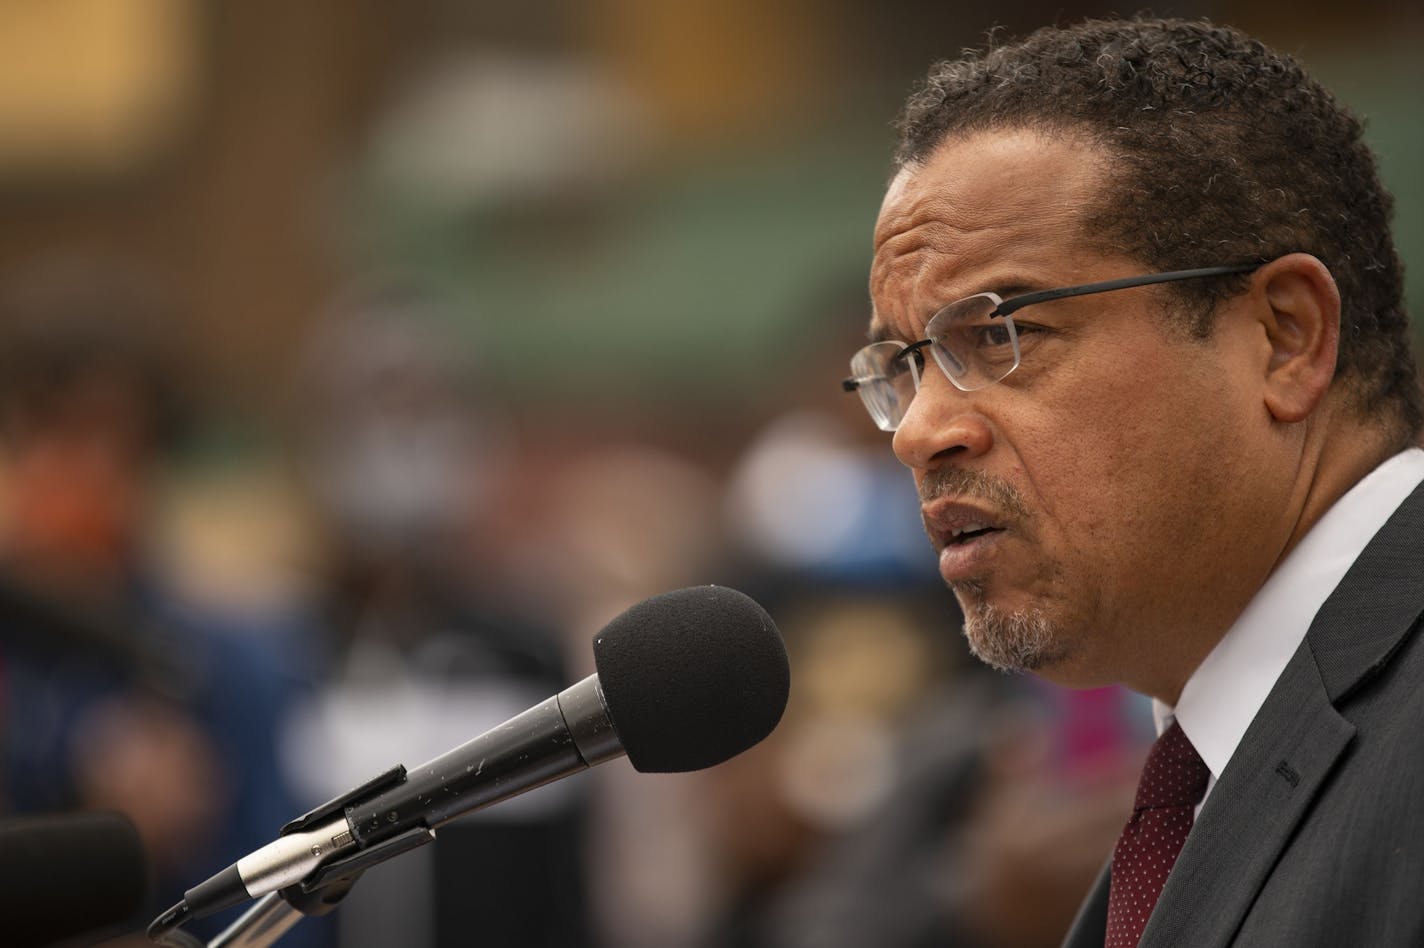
[[1336, 452]]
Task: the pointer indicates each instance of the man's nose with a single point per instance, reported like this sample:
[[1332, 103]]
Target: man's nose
[[941, 424]]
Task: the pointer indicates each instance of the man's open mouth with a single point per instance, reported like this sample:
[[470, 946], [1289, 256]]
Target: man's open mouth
[[968, 532]]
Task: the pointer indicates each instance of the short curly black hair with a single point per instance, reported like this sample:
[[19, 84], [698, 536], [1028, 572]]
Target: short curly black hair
[[1223, 150]]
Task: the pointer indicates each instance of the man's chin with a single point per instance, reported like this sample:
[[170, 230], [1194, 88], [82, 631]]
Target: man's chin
[[1020, 640]]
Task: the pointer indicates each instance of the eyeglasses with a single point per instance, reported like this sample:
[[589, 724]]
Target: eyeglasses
[[975, 344]]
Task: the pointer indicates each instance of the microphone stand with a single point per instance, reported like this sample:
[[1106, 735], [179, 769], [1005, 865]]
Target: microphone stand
[[317, 894], [260, 925]]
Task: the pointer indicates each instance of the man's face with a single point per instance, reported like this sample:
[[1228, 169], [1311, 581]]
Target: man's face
[[1125, 472]]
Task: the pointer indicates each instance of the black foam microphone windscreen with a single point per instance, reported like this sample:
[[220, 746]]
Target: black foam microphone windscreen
[[692, 677], [64, 875]]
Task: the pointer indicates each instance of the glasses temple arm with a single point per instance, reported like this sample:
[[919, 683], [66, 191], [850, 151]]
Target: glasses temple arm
[[1011, 305]]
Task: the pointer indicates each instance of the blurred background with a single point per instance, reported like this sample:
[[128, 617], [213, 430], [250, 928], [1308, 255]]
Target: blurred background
[[359, 361]]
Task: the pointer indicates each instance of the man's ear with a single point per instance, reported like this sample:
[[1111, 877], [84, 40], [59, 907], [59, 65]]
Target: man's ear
[[1299, 309]]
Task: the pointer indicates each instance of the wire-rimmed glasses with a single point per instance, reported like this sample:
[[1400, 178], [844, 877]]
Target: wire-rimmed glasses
[[974, 342]]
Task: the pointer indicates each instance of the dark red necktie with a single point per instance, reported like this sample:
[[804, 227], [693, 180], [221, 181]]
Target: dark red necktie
[[1173, 782]]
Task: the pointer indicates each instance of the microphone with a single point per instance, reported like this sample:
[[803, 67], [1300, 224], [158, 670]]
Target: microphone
[[685, 680], [66, 874]]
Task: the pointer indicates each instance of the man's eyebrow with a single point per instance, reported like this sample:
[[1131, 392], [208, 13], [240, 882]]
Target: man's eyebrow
[[1006, 289], [885, 332], [879, 332]]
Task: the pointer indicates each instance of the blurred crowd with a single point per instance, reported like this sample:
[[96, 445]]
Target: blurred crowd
[[213, 639]]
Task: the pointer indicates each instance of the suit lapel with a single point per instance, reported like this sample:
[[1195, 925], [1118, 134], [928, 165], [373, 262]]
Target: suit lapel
[[1288, 751], [1252, 812], [1089, 929], [1294, 741]]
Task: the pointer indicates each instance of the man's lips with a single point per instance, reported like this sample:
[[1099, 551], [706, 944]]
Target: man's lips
[[951, 522], [965, 535]]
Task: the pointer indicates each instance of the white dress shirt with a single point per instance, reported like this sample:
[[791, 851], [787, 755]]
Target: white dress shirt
[[1222, 696]]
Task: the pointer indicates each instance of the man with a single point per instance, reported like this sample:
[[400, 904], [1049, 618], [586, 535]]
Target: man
[[1189, 469]]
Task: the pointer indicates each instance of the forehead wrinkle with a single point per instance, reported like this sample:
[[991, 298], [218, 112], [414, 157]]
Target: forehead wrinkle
[[919, 205], [912, 235], [916, 269], [947, 225]]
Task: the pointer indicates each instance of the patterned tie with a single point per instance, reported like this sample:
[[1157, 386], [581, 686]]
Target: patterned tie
[[1173, 782]]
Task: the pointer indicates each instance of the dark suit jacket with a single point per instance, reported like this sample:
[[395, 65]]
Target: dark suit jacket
[[1314, 834]]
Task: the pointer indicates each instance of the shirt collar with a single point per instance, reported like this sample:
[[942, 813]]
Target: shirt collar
[[1223, 695]]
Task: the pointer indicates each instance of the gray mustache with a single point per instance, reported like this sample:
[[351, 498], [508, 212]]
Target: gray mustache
[[969, 484]]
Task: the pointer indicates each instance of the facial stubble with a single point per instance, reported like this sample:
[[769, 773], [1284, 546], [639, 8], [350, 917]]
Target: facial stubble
[[1016, 640], [1009, 640]]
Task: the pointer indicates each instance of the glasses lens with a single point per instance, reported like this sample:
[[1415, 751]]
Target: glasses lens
[[973, 348], [886, 381]]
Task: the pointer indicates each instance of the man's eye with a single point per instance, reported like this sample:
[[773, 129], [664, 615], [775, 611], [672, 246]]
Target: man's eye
[[994, 334]]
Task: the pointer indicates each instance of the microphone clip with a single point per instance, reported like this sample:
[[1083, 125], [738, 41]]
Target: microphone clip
[[320, 892], [339, 805]]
